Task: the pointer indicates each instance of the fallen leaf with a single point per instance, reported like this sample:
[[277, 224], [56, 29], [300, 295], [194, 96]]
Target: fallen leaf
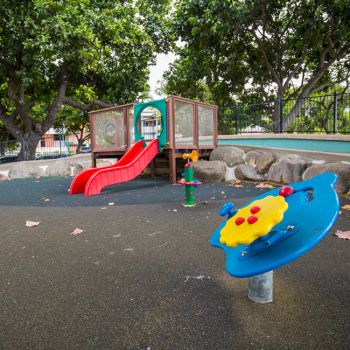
[[77, 231], [343, 234], [264, 185], [129, 249], [346, 207], [32, 223]]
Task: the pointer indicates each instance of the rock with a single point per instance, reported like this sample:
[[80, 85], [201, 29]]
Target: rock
[[264, 162], [308, 161], [105, 162], [75, 169], [24, 169], [260, 160], [4, 177], [287, 170], [210, 171], [251, 157], [247, 172], [229, 154], [59, 168], [342, 171]]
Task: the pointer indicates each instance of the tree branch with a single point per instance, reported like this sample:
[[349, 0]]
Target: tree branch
[[56, 104], [266, 60], [292, 74], [9, 122], [85, 107]]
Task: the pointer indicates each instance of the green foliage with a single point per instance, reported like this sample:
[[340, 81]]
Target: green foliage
[[259, 50], [51, 49]]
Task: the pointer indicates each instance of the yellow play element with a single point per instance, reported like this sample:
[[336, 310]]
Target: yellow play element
[[193, 156], [253, 221]]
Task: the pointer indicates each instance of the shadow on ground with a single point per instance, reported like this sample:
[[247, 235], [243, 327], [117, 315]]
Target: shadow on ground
[[34, 192]]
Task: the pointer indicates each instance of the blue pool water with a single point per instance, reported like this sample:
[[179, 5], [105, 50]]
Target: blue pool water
[[300, 144]]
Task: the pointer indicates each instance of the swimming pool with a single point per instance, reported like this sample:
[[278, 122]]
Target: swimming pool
[[330, 144]]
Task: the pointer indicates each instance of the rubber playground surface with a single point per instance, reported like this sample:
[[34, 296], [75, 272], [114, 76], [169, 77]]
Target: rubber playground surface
[[142, 274]]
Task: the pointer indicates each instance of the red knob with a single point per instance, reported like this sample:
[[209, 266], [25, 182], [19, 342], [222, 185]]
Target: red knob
[[252, 219], [286, 191], [255, 209], [239, 221]]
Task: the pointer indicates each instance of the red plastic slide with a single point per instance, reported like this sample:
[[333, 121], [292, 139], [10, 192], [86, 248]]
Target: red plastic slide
[[92, 181]]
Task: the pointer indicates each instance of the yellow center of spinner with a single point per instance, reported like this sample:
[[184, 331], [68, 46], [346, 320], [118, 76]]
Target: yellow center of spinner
[[253, 221]]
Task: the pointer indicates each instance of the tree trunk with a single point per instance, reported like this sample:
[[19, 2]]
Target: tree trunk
[[80, 145], [28, 146], [2, 148], [293, 113], [276, 114]]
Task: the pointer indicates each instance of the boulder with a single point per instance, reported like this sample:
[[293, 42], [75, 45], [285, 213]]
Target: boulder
[[4, 177], [59, 168], [229, 154], [251, 157], [210, 171], [264, 162], [342, 171], [260, 160], [247, 172], [287, 170], [22, 170], [105, 162], [75, 169], [308, 160]]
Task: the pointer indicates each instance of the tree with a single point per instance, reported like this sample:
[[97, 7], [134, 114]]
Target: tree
[[274, 47], [49, 48]]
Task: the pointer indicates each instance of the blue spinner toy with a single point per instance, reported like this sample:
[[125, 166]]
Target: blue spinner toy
[[278, 226]]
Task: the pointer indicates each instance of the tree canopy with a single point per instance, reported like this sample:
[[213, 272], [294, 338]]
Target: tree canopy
[[269, 49], [51, 49]]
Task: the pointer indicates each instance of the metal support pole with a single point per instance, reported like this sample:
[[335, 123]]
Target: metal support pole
[[261, 288], [335, 114], [281, 116]]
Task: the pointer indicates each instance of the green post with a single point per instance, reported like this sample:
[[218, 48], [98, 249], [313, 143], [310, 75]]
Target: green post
[[189, 189]]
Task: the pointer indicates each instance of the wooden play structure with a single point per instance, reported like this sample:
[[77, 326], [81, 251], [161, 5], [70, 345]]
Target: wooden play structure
[[170, 127]]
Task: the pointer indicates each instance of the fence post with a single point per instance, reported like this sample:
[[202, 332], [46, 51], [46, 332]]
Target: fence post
[[236, 119], [335, 114], [281, 116]]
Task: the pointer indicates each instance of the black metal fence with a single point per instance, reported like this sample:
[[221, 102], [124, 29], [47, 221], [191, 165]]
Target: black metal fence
[[328, 114]]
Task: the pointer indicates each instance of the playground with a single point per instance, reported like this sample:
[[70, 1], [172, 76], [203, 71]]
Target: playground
[[110, 259], [142, 274]]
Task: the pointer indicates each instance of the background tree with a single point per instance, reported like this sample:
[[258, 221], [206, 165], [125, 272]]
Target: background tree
[[48, 49], [273, 49]]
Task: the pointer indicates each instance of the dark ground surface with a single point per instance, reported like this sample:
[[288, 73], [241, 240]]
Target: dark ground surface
[[142, 275]]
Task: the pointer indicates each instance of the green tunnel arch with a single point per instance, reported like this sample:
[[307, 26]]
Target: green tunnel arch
[[161, 106]]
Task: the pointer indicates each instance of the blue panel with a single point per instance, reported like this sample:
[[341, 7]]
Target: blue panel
[[311, 216]]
